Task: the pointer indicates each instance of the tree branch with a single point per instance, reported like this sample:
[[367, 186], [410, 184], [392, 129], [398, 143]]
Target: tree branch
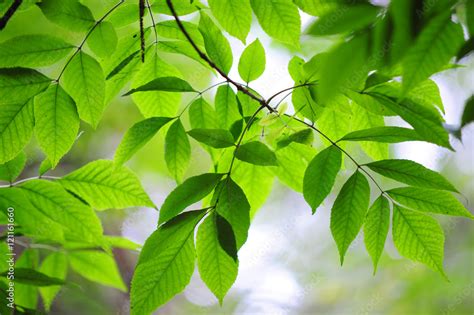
[[11, 10]]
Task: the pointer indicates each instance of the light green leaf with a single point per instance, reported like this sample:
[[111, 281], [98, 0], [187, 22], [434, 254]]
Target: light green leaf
[[44, 167], [348, 211], [216, 138], [103, 40], [33, 51], [383, 134], [27, 295], [252, 62], [16, 128], [98, 267], [411, 173], [182, 7], [439, 40], [257, 153], [304, 136], [56, 122], [78, 221], [181, 48], [34, 278], [190, 191], [170, 29], [10, 170], [334, 123], [124, 15], [318, 7], [137, 136], [280, 19], [320, 176], [369, 102], [202, 115], [376, 227], [84, 80], [166, 263], [429, 200], [121, 242], [104, 185], [70, 14], [217, 269], [235, 16], [418, 237], [54, 265], [177, 150], [217, 46], [18, 85], [226, 106], [165, 84]]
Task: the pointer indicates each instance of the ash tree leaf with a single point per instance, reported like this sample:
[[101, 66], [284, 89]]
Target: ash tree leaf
[[190, 191], [216, 138], [84, 80], [217, 46], [56, 122], [33, 51], [16, 128], [170, 29], [182, 48], [218, 270], [177, 150], [439, 40], [10, 170], [34, 278], [235, 16], [226, 106], [55, 266], [166, 84], [226, 237], [320, 176], [376, 227], [166, 263], [234, 207], [202, 115], [280, 19], [103, 40], [78, 221], [105, 185], [418, 237], [98, 267], [252, 62], [383, 134], [411, 173], [257, 153], [17, 85], [70, 14], [137, 136], [124, 15], [429, 200], [348, 211], [304, 136]]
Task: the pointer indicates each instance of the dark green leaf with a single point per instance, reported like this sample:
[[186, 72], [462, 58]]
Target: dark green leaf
[[383, 134], [257, 153], [34, 278], [468, 113], [216, 138], [167, 84]]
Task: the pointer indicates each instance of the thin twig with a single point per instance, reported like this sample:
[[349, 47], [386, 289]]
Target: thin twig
[[289, 89], [152, 20], [28, 179], [11, 10]]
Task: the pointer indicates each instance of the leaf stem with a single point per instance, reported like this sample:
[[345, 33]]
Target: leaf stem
[[289, 89]]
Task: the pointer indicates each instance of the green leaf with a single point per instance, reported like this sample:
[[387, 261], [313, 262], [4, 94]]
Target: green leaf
[[318, 7], [304, 136], [182, 7], [78, 220], [217, 269], [438, 42], [376, 227], [166, 263], [44, 167], [202, 115], [216, 138], [177, 150], [348, 211], [70, 14], [27, 295], [334, 123], [418, 237], [252, 62], [257, 153], [320, 176], [470, 17], [104, 185], [121, 242], [54, 265], [122, 65], [137, 136], [166, 84], [16, 128], [103, 40], [280, 19], [33, 51], [170, 29], [468, 113], [98, 267], [344, 20], [18, 85], [217, 46], [411, 173], [226, 106], [84, 80], [190, 191], [124, 15], [234, 207], [383, 134], [181, 48], [429, 200], [34, 278], [10, 170], [56, 122], [235, 16]]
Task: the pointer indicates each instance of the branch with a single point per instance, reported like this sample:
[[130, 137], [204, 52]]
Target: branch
[[289, 89], [11, 10]]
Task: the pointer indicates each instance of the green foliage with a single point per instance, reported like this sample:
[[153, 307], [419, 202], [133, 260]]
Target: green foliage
[[177, 150], [70, 14], [216, 138], [103, 39], [13, 168], [257, 153], [252, 62], [235, 16], [167, 84], [54, 265]]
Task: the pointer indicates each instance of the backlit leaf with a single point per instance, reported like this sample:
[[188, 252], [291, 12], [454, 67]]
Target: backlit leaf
[[257, 153], [177, 150], [10, 170], [216, 138], [252, 62], [70, 14], [235, 16], [103, 39]]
